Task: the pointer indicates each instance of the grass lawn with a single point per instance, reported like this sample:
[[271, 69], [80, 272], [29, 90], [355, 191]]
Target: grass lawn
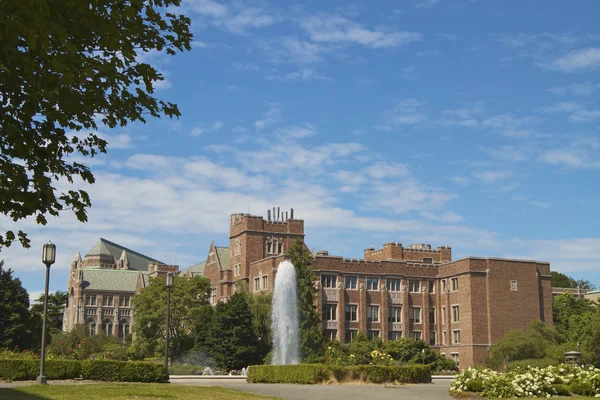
[[124, 391]]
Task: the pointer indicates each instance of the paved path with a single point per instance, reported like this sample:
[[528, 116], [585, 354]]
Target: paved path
[[436, 390]]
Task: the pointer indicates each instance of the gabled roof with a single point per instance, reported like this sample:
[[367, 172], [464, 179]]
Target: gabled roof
[[114, 280], [195, 270], [223, 255], [137, 260]]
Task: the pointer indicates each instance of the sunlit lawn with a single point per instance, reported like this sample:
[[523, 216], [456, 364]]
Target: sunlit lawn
[[124, 391]]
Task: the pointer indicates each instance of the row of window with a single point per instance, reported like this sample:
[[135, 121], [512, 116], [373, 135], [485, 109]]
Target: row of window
[[392, 284], [261, 283], [107, 300], [107, 328], [331, 334], [394, 314]]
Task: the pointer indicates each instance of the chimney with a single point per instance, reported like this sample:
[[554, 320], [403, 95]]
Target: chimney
[[286, 215], [278, 214], [274, 215], [268, 215], [291, 213]]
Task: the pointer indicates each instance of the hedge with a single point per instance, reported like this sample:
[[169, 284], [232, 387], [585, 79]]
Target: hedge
[[317, 373], [97, 370]]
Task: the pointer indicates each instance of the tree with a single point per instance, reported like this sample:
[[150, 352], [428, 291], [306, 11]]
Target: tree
[[570, 315], [66, 66], [188, 297], [56, 304], [311, 331], [232, 341], [18, 326], [563, 281]]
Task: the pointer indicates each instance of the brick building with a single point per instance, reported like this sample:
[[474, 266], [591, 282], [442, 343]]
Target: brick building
[[460, 307]]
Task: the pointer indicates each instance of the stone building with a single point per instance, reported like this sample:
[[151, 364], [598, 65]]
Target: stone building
[[460, 307], [100, 287]]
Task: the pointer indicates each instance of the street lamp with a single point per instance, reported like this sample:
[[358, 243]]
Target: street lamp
[[48, 258], [169, 286]]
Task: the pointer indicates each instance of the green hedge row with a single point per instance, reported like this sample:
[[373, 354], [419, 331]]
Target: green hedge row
[[317, 373], [97, 370]]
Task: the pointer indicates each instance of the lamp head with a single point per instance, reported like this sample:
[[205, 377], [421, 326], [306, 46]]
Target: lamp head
[[49, 253], [169, 280]]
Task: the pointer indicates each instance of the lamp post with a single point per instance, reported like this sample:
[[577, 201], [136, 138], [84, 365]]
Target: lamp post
[[48, 258], [169, 286]]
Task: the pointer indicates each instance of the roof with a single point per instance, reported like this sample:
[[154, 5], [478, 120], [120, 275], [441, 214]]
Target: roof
[[137, 260], [195, 270], [223, 255], [116, 280]]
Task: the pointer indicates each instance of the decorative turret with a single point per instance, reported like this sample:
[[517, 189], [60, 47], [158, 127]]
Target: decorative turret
[[76, 263], [123, 262]]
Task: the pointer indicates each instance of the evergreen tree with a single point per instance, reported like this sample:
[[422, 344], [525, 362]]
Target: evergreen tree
[[56, 304], [233, 343], [311, 331], [18, 326]]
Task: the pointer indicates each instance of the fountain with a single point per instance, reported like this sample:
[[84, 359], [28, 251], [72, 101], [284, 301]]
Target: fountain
[[286, 330]]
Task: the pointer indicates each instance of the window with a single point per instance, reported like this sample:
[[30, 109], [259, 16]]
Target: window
[[351, 312], [330, 334], [90, 311], [415, 335], [414, 286], [513, 286], [427, 260], [265, 282], [454, 357], [443, 286], [443, 315], [213, 295], [123, 301], [107, 300], [444, 342], [351, 282], [90, 299], [107, 327], [372, 334], [256, 284], [123, 328], [350, 335], [432, 338], [237, 269], [415, 315], [394, 335], [431, 315], [372, 283], [372, 313], [394, 314], [328, 281], [330, 312], [268, 247], [90, 327], [280, 248], [454, 284], [455, 315], [455, 337], [393, 285], [431, 287]]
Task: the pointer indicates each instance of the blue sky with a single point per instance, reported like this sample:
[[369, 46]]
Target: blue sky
[[467, 123]]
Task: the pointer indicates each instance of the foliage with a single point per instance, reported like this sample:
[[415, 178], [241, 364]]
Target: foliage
[[570, 315], [98, 370], [188, 298], [76, 345], [18, 326], [361, 347], [56, 303], [563, 281], [66, 66], [381, 358], [591, 339], [311, 333], [529, 382], [317, 373], [535, 363], [18, 354], [260, 310], [232, 341]]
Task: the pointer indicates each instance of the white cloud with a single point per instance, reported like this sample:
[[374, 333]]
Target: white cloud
[[565, 106], [296, 132], [580, 152], [447, 217], [568, 255], [426, 3], [244, 66], [337, 29], [578, 89], [492, 177], [577, 60], [271, 117], [461, 180], [207, 7], [584, 116], [429, 53], [510, 153], [217, 125], [506, 121], [405, 112], [197, 131], [236, 18], [305, 75]]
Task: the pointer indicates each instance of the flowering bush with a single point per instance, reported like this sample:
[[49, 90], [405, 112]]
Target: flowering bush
[[529, 381], [381, 358], [17, 353]]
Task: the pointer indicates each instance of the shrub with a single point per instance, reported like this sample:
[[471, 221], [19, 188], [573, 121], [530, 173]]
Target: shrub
[[560, 389], [581, 387], [99, 370], [535, 363], [316, 373]]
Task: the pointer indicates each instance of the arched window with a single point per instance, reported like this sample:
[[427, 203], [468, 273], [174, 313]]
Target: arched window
[[123, 328], [107, 327], [90, 327]]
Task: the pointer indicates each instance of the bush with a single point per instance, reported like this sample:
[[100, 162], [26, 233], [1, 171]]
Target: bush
[[99, 370], [534, 363], [560, 389], [581, 387], [316, 373]]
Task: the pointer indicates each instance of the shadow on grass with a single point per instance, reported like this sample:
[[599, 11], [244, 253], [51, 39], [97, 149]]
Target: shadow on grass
[[15, 394]]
